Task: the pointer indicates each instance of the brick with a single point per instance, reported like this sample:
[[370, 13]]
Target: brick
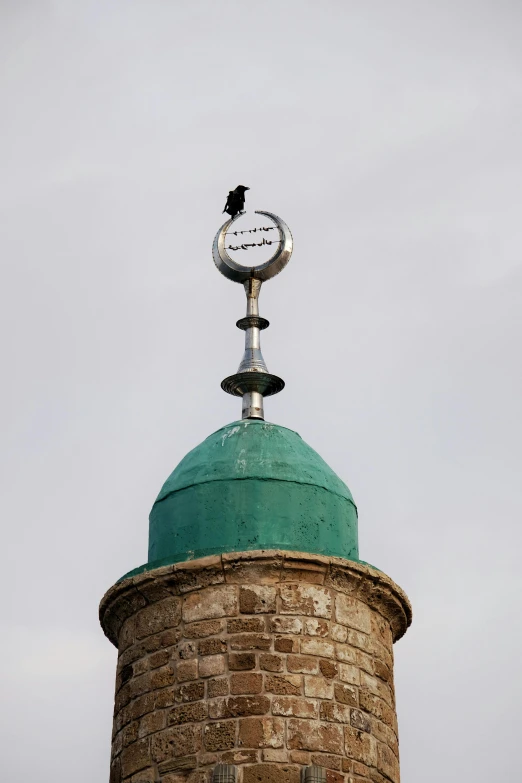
[[212, 665], [220, 736], [187, 649], [246, 625], [360, 746], [346, 653], [338, 633], [270, 663], [300, 756], [381, 629], [176, 741], [383, 672], [314, 627], [289, 684], [366, 662], [135, 757], [246, 682], [218, 687], [287, 645], [130, 733], [241, 661], [157, 617], [308, 735], [256, 599], [262, 732], [302, 663], [274, 755], [192, 712], [212, 647], [250, 641], [239, 757], [306, 599], [328, 669], [377, 707], [326, 760], [147, 775], [149, 724], [159, 658], [335, 712], [319, 647], [286, 625], [141, 706], [192, 691], [181, 766], [294, 707], [318, 688], [271, 773], [353, 613], [187, 670], [377, 687], [162, 677], [332, 776], [238, 706], [210, 604], [203, 629], [358, 639], [360, 721], [349, 673], [346, 694], [360, 769]]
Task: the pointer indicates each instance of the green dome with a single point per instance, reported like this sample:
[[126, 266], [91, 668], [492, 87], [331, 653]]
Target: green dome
[[251, 485]]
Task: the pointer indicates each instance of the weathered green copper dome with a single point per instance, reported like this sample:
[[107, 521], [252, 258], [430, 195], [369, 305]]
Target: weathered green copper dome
[[251, 485]]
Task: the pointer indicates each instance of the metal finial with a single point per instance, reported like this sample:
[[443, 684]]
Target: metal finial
[[252, 381]]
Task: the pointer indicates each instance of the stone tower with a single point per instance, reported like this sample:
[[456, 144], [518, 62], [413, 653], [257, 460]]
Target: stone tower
[[254, 645]]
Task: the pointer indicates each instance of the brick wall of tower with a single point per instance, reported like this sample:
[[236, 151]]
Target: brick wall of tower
[[269, 661]]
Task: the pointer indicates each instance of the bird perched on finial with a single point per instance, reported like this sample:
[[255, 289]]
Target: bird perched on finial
[[236, 201]]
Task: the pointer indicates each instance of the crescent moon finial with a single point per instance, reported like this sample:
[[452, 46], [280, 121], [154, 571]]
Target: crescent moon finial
[[252, 381]]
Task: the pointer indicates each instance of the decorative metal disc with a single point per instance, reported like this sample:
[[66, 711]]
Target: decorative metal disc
[[239, 273]]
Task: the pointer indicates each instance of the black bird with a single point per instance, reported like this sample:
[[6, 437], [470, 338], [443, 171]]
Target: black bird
[[236, 201]]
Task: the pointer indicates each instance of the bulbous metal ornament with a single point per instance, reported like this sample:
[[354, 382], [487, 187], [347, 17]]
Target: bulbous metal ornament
[[252, 380]]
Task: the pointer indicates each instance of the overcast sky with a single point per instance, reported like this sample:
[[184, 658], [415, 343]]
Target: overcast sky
[[389, 137]]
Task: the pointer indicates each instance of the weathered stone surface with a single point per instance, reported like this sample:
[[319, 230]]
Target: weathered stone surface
[[289, 684], [360, 721], [250, 641], [237, 706], [328, 668], [220, 736], [187, 649], [286, 645], [273, 754], [387, 762], [303, 599], [246, 682], [212, 646], [353, 613], [271, 663], [212, 665], [151, 723], [193, 691], [326, 760], [162, 677], [300, 756], [241, 661], [349, 673], [294, 707], [176, 741], [192, 712], [335, 712], [187, 670], [203, 629], [157, 617], [309, 735], [255, 599], [262, 732], [291, 625], [303, 664], [360, 746], [315, 627], [239, 756], [377, 687], [271, 773], [346, 694], [246, 625], [218, 687], [320, 647], [209, 604], [318, 688], [370, 703]]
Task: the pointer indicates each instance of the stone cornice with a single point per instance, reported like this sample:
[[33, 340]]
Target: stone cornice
[[368, 584]]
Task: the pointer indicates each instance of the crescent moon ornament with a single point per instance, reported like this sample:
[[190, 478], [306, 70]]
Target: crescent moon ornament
[[252, 381], [239, 273]]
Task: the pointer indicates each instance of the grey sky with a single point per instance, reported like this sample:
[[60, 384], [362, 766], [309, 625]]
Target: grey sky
[[388, 136]]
